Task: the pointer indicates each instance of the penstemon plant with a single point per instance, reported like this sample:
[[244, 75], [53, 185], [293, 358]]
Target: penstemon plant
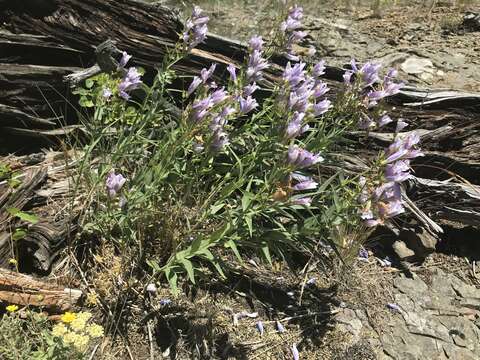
[[229, 171]]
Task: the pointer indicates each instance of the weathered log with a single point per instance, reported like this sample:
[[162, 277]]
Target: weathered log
[[41, 184], [19, 289]]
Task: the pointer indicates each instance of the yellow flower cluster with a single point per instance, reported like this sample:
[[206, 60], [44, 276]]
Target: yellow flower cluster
[[11, 308], [76, 331]]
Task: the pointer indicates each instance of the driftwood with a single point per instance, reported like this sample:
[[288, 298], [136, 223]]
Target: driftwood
[[45, 46], [16, 288]]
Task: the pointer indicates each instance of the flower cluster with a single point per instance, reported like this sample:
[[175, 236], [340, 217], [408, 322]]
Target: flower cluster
[[114, 183], [130, 81], [290, 28], [385, 200], [75, 330], [365, 82], [302, 96], [218, 105], [195, 29]]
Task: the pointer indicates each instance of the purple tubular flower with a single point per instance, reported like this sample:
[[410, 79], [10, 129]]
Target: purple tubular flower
[[195, 29], [247, 104], [400, 125], [305, 185], [249, 89], [232, 70], [363, 253], [256, 43], [259, 326], [347, 77], [124, 60], [256, 64], [218, 96], [393, 307], [305, 201], [398, 171], [194, 85], [131, 81], [319, 69], [295, 353], [320, 90], [294, 127], [384, 120], [164, 302], [280, 327], [369, 73], [206, 74], [301, 158], [294, 75], [402, 149], [321, 107], [114, 183], [107, 93]]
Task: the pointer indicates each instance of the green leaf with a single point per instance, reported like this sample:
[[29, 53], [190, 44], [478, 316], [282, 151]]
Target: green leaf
[[266, 253], [172, 278], [248, 221], [231, 244], [246, 200], [85, 102], [215, 208], [187, 264], [19, 234], [89, 83], [33, 219]]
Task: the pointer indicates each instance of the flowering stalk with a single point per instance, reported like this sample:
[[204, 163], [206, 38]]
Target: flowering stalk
[[382, 199]]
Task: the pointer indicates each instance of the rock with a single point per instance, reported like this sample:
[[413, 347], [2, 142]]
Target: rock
[[412, 287], [418, 66], [347, 321], [419, 240], [471, 21], [402, 250]]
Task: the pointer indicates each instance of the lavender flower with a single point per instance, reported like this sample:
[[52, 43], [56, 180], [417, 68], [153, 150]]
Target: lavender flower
[[124, 60], [321, 107], [301, 158], [400, 126], [305, 201], [294, 127], [363, 253], [290, 27], [165, 302], [294, 75], [195, 29], [249, 89], [232, 70], [107, 93], [347, 77], [384, 120], [151, 288], [311, 281], [280, 327], [256, 64], [207, 74], [320, 90], [194, 85], [295, 353], [319, 69], [305, 185], [393, 307], [114, 183], [247, 104], [256, 43], [131, 81], [259, 326]]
